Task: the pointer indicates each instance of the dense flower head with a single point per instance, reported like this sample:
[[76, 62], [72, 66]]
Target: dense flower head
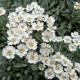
[[33, 33]]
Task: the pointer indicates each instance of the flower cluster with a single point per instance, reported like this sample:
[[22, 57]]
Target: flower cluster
[[23, 26]]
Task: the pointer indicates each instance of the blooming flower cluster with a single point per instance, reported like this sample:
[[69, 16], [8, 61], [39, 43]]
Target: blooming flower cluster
[[22, 41]]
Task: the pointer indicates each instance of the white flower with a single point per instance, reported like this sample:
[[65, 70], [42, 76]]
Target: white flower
[[63, 76], [31, 44], [77, 66], [47, 36], [2, 11], [29, 18], [51, 28], [8, 52], [29, 30], [40, 17], [45, 60], [12, 16], [11, 31], [32, 57], [72, 47], [66, 62], [22, 50], [70, 70], [19, 30], [12, 40], [58, 57], [75, 34], [76, 41], [11, 24], [58, 68], [24, 36], [34, 4], [49, 73], [44, 45], [59, 39], [50, 20], [74, 77], [37, 26], [45, 51], [29, 8], [19, 9], [18, 18], [67, 39], [77, 5], [22, 25], [51, 62]]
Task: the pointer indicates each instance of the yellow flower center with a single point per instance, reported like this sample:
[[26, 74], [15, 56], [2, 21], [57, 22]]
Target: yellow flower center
[[9, 52], [49, 74], [32, 57], [21, 50], [0, 11], [11, 32], [13, 40], [31, 44]]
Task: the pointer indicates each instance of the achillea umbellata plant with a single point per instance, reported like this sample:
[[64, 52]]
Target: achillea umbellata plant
[[34, 47]]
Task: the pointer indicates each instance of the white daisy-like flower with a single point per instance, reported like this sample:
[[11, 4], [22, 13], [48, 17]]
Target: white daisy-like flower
[[67, 39], [75, 34], [24, 36], [63, 76], [40, 17], [76, 41], [70, 70], [11, 24], [51, 28], [32, 57], [77, 66], [51, 62], [45, 45], [2, 11], [22, 25], [29, 30], [45, 60], [37, 26], [11, 31], [47, 36], [45, 51], [22, 50], [49, 73], [66, 62], [19, 30], [12, 16], [18, 18], [50, 20], [34, 4], [29, 18], [29, 8], [13, 40], [58, 68], [72, 47], [58, 57], [59, 39], [74, 77], [31, 44], [19, 9], [9, 52]]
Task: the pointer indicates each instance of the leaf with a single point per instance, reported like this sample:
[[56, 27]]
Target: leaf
[[34, 67]]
